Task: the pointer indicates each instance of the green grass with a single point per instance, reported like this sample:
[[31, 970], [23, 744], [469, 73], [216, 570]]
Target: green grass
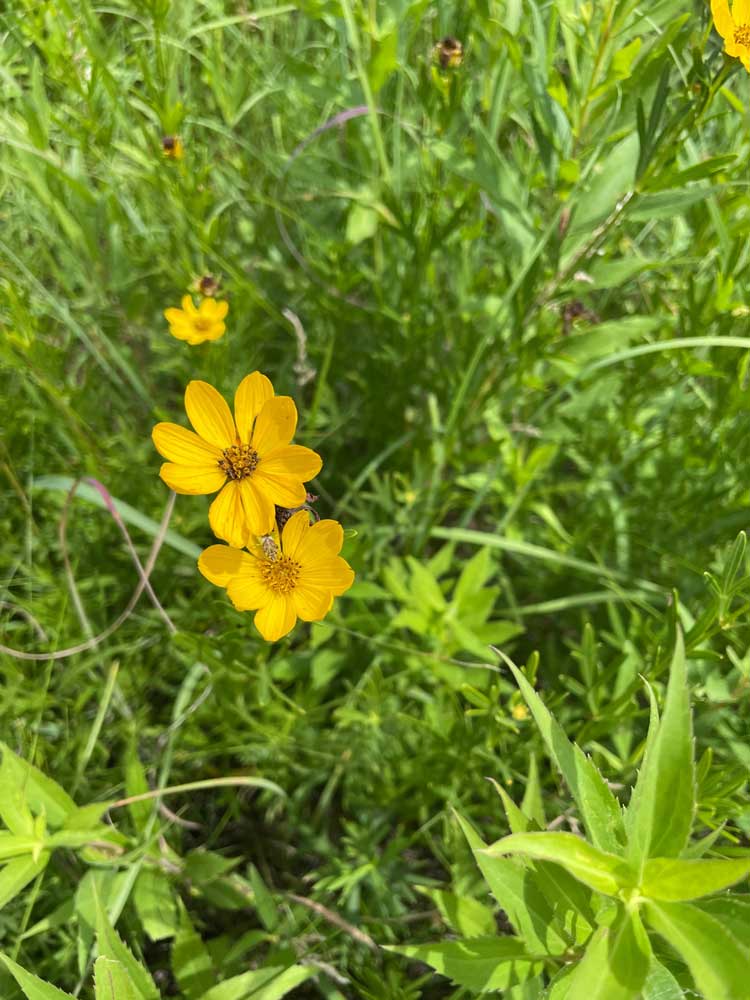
[[522, 290]]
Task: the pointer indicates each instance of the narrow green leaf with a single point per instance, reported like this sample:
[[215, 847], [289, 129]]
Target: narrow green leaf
[[18, 873], [606, 873], [261, 984], [111, 981], [191, 963], [532, 804], [479, 964], [593, 978], [718, 962], [673, 879], [463, 915], [12, 846], [112, 946], [43, 795], [154, 901], [32, 986], [598, 807], [732, 910], [660, 815], [136, 784], [265, 906]]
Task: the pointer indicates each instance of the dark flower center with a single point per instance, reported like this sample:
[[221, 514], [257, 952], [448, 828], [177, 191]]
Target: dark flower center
[[239, 461]]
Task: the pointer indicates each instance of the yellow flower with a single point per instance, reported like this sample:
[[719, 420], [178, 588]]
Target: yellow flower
[[196, 325], [734, 28], [282, 580], [248, 458], [171, 146], [449, 52]]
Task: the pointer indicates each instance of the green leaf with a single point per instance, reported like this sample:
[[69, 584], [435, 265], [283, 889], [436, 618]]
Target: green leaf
[[154, 901], [12, 846], [87, 817], [606, 873], [673, 879], [718, 962], [265, 906], [661, 985], [464, 915], [532, 804], [43, 795], [112, 946], [733, 911], [261, 984], [32, 986], [136, 784], [18, 873], [479, 964], [111, 981], [594, 977], [384, 60], [191, 963], [598, 807], [659, 817]]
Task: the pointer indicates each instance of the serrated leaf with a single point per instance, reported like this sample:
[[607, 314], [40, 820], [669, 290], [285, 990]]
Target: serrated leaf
[[597, 805], [17, 874], [111, 981], [606, 873], [111, 945], [479, 964], [42, 794], [718, 962], [191, 963], [675, 880], [32, 986], [659, 817]]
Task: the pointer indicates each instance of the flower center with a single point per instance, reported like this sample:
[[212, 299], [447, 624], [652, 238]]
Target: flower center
[[742, 35], [201, 324], [280, 574], [239, 461]]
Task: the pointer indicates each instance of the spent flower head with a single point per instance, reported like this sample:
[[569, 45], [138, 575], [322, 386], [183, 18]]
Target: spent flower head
[[449, 52], [286, 575], [172, 147], [197, 325], [248, 458]]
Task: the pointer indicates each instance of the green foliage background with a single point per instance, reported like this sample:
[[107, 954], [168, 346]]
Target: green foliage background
[[522, 289]]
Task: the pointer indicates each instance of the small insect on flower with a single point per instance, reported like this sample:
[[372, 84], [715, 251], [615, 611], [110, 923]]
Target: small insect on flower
[[247, 458], [196, 325], [285, 576], [172, 147], [734, 28], [206, 284], [449, 52]]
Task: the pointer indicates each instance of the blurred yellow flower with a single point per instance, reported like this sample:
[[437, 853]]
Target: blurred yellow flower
[[734, 28], [283, 578], [449, 52], [519, 712], [247, 457], [171, 146], [196, 325]]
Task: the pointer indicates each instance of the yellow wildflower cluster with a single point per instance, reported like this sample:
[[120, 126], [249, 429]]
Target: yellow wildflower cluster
[[275, 563]]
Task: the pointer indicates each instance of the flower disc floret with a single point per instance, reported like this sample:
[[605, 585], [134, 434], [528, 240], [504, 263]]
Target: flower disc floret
[[246, 458], [297, 576]]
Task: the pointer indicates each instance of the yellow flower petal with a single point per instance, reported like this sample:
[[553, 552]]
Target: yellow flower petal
[[741, 12], [293, 535], [217, 330], [722, 18], [221, 563], [215, 309], [175, 315], [209, 414], [183, 332], [259, 510], [311, 603], [330, 573], [286, 491], [226, 516], [292, 460], [194, 481], [188, 305], [276, 619], [276, 424], [252, 393], [326, 533], [247, 591], [180, 445]]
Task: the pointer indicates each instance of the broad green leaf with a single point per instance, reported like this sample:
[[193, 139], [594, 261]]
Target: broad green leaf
[[597, 805], [13, 846], [32, 986], [517, 892], [673, 879], [88, 817], [136, 784], [733, 911], [112, 946], [14, 810], [660, 815], [594, 978], [265, 906], [464, 915], [661, 985], [111, 981], [261, 984], [718, 962], [606, 873], [532, 804], [18, 873], [43, 795], [154, 901], [191, 963], [479, 964]]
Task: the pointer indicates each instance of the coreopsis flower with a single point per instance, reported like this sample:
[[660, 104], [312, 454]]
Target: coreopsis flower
[[171, 147], [196, 325], [449, 52], [247, 458], [295, 573], [734, 28]]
